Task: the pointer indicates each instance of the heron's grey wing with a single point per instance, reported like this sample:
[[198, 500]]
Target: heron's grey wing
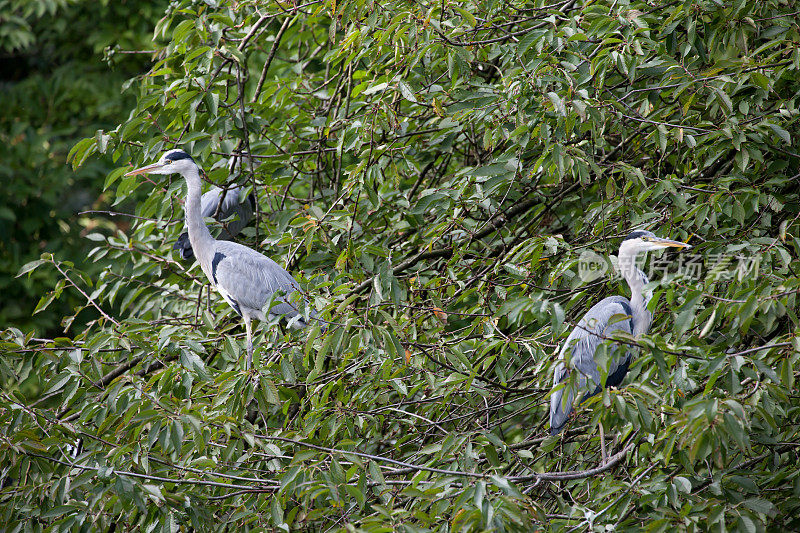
[[559, 407], [209, 202], [230, 203], [595, 327], [580, 345], [248, 279], [621, 353], [237, 214]]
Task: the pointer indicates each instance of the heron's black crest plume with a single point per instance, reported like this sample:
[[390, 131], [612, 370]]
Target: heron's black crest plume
[[637, 234], [176, 155]]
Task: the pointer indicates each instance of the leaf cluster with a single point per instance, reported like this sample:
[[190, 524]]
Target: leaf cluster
[[432, 174]]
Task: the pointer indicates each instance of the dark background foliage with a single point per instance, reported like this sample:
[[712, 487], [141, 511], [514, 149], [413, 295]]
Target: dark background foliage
[[60, 79]]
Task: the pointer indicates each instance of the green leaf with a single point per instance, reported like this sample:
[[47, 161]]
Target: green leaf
[[29, 267], [724, 98], [558, 103], [761, 506], [406, 91], [504, 485], [747, 524], [45, 301], [682, 484], [780, 132]]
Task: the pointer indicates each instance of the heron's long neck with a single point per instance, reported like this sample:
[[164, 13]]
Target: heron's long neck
[[199, 235], [639, 298]]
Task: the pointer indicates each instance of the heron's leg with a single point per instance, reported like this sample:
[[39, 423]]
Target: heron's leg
[[199, 304], [275, 356], [206, 286], [603, 444], [249, 328]]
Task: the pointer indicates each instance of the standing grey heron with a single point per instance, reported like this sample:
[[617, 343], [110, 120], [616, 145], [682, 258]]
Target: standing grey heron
[[245, 278], [609, 315], [222, 205]]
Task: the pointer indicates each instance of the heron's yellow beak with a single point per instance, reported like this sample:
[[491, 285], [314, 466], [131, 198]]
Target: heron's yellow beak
[[666, 243], [145, 170]]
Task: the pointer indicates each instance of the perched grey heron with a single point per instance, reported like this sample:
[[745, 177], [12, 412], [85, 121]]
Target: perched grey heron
[[245, 278], [222, 205], [599, 324]]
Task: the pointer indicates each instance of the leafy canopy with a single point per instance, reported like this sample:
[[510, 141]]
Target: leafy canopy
[[432, 174]]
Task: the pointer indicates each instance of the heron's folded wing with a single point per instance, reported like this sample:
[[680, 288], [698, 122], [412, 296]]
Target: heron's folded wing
[[560, 407], [230, 203], [599, 325], [209, 202], [237, 214], [251, 278]]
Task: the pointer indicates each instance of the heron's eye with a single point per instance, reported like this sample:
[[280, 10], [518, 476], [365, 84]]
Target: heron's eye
[[645, 239]]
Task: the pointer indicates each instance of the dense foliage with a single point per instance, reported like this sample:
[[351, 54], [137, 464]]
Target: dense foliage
[[56, 89], [438, 176]]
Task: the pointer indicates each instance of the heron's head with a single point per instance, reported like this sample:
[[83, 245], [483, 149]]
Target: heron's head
[[172, 162], [645, 241]]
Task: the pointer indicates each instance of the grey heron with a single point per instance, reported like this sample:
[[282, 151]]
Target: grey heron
[[610, 315], [245, 278], [222, 205]]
